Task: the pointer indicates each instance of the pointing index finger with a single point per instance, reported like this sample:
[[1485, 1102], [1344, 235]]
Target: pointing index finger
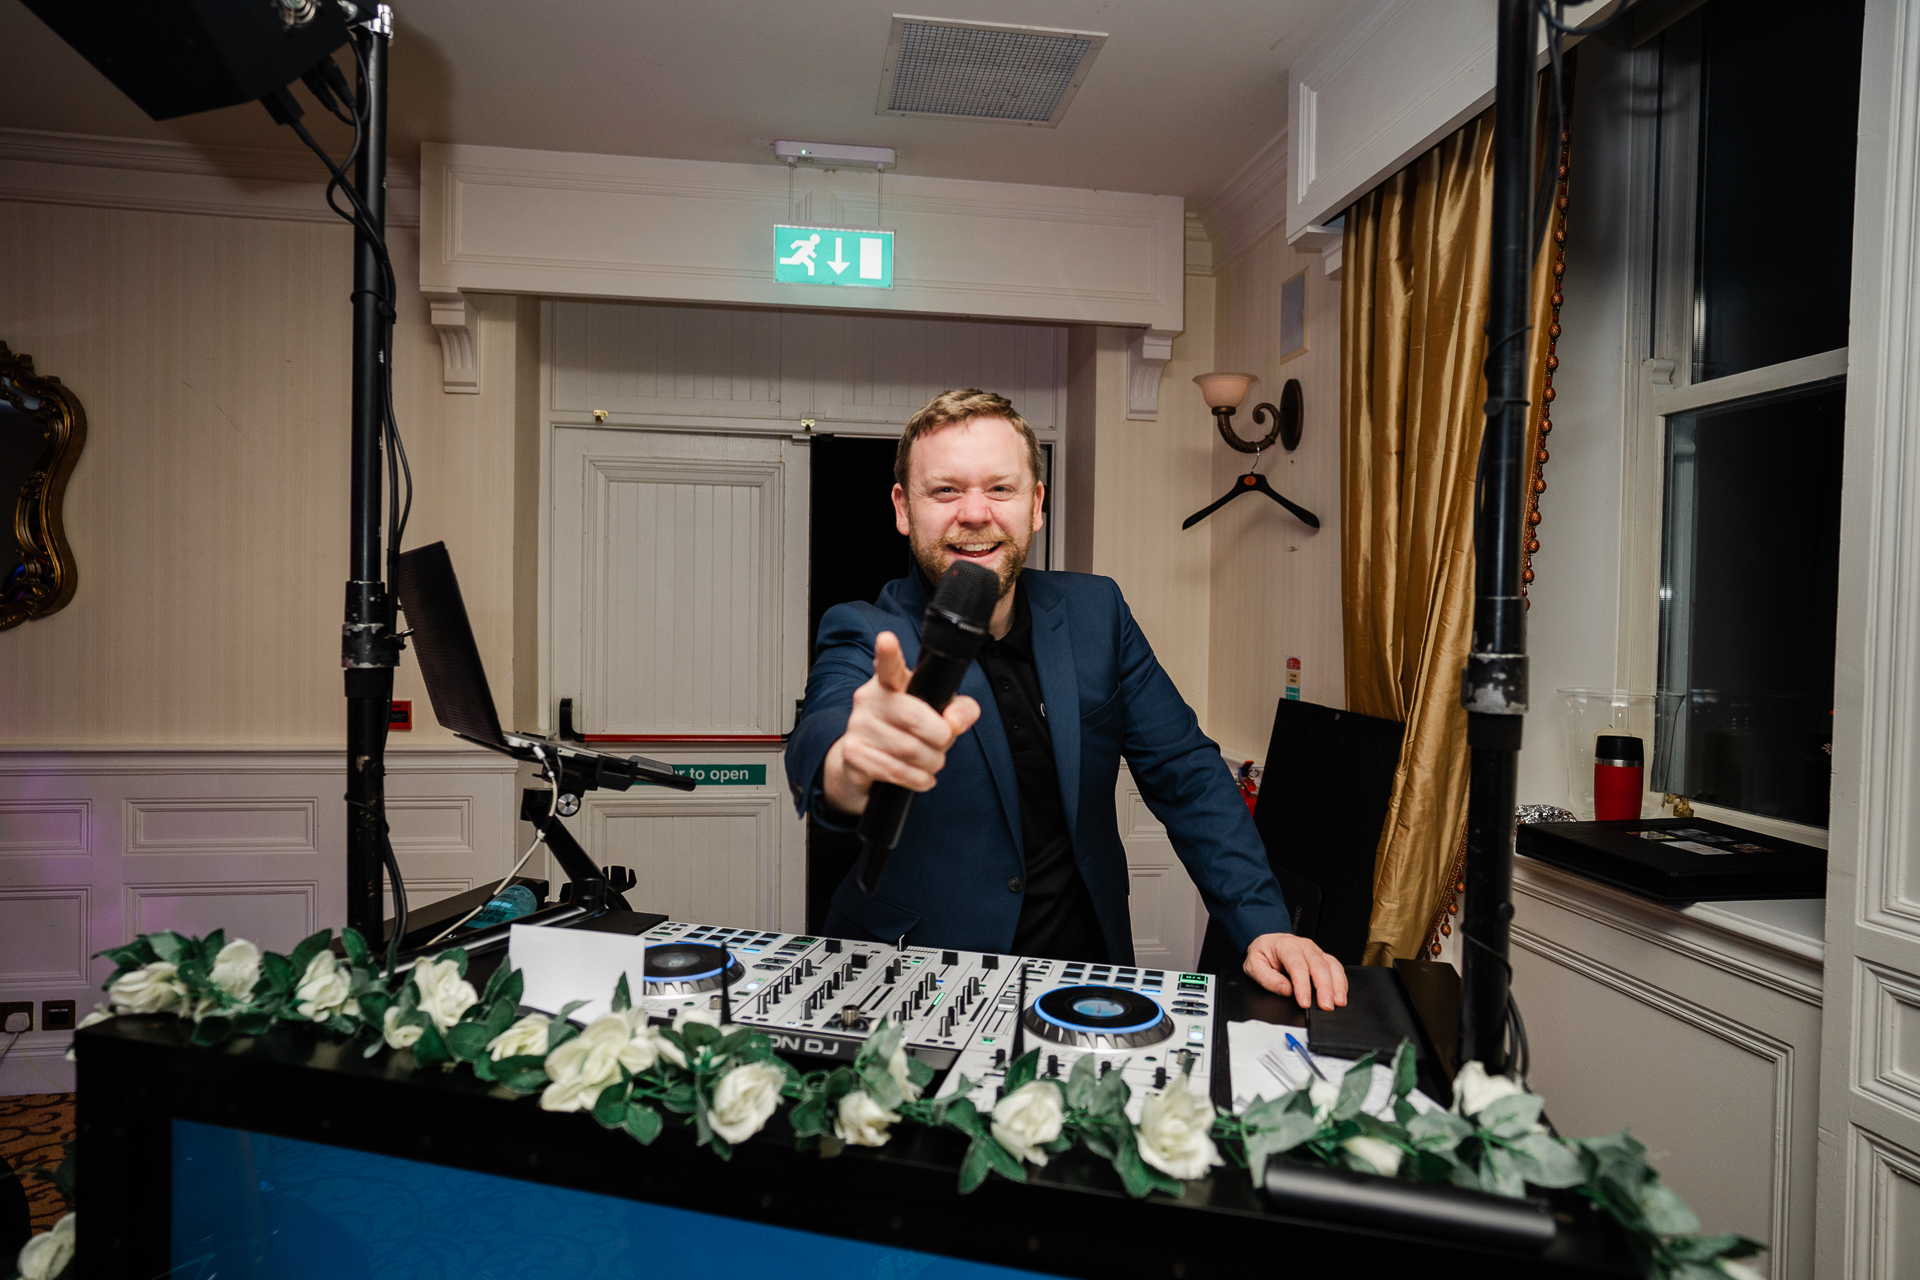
[[889, 664]]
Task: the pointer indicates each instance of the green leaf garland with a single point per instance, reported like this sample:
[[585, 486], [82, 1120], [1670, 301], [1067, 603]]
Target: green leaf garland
[[1503, 1148]]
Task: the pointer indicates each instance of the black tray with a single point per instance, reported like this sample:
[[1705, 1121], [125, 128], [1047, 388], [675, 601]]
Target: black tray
[[1651, 857]]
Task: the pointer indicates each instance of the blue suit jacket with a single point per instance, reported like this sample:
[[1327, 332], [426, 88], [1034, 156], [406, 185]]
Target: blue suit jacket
[[948, 884]]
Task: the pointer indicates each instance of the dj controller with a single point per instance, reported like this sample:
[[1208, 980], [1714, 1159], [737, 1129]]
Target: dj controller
[[822, 997]]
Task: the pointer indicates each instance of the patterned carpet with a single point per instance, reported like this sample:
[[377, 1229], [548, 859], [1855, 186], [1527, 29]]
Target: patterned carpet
[[33, 1129]]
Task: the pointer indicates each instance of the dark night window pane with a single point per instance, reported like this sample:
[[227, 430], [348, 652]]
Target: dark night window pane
[[1748, 594], [1781, 98]]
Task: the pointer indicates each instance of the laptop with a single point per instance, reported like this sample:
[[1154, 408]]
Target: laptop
[[457, 682]]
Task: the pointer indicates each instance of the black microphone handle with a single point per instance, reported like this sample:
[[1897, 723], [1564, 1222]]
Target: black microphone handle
[[934, 682]]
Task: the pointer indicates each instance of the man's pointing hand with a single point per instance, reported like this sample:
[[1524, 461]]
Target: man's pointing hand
[[891, 735]]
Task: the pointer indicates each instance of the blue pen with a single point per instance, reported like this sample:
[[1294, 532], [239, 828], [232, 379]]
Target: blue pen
[[1305, 1057]]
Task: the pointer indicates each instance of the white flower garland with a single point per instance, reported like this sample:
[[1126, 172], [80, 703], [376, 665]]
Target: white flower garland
[[728, 1083]]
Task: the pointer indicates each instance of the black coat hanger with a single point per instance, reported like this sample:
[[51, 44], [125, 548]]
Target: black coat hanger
[[1252, 482]]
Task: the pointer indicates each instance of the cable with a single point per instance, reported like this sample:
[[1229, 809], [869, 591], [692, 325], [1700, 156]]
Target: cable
[[1557, 25], [392, 864], [399, 903], [539, 838], [9, 1049], [1519, 1056]]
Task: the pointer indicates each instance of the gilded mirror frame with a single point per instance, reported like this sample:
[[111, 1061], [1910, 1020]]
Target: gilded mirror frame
[[42, 429]]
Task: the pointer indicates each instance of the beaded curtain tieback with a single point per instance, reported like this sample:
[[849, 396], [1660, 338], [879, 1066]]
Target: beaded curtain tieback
[[1456, 882]]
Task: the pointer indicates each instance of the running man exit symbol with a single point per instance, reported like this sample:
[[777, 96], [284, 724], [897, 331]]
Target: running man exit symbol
[[856, 256]]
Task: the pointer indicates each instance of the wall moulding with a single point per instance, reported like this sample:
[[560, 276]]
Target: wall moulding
[[564, 224], [177, 177]]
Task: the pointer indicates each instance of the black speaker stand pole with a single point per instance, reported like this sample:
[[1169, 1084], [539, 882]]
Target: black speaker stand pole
[[1494, 687], [369, 649]]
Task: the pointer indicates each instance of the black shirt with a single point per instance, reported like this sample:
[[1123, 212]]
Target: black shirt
[[1057, 919]]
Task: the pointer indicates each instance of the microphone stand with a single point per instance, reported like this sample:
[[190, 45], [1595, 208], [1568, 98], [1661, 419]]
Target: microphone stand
[[1493, 689], [369, 647]]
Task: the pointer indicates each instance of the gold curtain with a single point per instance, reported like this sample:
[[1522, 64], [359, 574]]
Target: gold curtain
[[1413, 391]]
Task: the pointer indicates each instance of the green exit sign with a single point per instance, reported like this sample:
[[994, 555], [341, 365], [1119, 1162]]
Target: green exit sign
[[856, 256]]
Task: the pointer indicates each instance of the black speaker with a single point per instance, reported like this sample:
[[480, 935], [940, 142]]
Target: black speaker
[[178, 57]]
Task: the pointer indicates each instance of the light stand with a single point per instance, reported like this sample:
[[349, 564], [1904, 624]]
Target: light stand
[[369, 645], [1494, 687]]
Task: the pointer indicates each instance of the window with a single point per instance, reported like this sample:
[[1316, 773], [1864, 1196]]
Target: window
[[1758, 109]]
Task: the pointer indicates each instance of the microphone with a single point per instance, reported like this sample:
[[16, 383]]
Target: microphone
[[951, 634]]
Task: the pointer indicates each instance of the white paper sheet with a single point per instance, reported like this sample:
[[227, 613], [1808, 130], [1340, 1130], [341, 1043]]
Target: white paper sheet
[[1264, 1065], [563, 965]]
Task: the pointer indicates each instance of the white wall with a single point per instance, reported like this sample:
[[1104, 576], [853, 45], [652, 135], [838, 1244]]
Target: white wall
[[1275, 582], [170, 743]]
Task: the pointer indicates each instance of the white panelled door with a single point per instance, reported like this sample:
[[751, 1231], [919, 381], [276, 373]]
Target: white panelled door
[[679, 574]]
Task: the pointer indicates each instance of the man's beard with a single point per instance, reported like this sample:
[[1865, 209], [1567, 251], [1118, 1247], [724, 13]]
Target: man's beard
[[934, 560]]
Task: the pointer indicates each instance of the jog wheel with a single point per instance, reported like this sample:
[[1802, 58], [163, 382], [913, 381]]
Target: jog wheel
[[1088, 1017], [688, 968]]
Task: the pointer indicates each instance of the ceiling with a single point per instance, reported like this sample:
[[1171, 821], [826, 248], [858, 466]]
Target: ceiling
[[1180, 98]]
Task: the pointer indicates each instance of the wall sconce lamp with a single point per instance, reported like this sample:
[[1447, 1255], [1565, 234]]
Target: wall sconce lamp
[[1224, 392]]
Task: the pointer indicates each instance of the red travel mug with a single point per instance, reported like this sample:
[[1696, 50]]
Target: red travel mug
[[1619, 778]]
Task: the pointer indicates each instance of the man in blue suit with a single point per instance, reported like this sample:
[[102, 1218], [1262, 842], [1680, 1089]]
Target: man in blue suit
[[1017, 850]]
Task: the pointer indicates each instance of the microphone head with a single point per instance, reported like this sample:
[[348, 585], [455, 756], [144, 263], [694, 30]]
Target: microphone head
[[966, 595], [962, 607]]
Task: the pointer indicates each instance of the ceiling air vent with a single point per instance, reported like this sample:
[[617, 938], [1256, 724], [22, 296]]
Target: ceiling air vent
[[984, 70]]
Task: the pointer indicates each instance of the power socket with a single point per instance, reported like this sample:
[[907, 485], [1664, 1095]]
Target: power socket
[[16, 1016], [56, 1015]]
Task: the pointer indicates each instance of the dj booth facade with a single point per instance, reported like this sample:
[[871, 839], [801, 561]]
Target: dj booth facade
[[293, 1153]]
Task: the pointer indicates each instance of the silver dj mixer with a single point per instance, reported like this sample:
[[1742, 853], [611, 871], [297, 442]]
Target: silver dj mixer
[[822, 997]]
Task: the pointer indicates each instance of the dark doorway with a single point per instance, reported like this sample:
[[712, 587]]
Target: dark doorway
[[854, 549], [854, 552]]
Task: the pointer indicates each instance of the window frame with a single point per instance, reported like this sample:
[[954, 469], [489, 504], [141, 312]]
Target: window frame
[[1664, 323]]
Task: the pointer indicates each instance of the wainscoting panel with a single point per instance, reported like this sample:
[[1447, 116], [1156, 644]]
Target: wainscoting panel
[[43, 937], [1885, 1226], [100, 845], [44, 828], [1715, 1066], [720, 855], [276, 916]]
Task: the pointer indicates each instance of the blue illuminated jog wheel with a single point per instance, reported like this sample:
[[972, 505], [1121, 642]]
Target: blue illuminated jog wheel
[[1092, 1017], [687, 968]]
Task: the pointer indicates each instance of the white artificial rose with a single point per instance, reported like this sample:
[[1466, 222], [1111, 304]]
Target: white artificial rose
[[862, 1122], [681, 1017], [1173, 1133], [1382, 1156], [591, 1061], [154, 988], [444, 994], [1737, 1270], [897, 1068], [1322, 1094], [237, 968], [1028, 1118], [744, 1099], [1474, 1090], [647, 1045], [400, 1037], [527, 1036], [323, 988], [44, 1256]]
